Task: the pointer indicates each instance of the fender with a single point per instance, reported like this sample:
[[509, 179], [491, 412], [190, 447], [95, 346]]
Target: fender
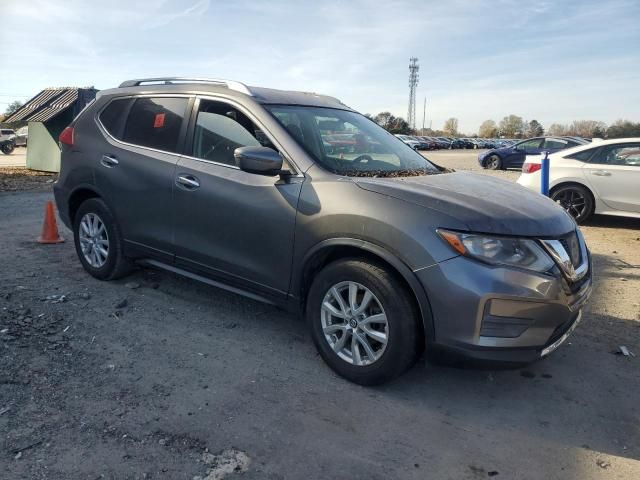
[[401, 267], [63, 196]]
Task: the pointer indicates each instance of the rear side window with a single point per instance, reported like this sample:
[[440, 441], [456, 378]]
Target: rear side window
[[155, 123], [556, 144], [626, 155], [112, 117]]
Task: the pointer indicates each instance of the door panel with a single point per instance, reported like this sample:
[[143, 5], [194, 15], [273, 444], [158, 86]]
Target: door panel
[[231, 224], [235, 224], [140, 188], [135, 166], [614, 175]]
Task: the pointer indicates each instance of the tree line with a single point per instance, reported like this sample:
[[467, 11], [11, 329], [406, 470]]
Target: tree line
[[513, 126]]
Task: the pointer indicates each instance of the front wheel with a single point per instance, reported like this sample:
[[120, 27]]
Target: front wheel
[[363, 321], [8, 148], [576, 200], [493, 163]]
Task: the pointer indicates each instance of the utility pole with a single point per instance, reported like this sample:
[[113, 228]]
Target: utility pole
[[424, 114], [413, 82]]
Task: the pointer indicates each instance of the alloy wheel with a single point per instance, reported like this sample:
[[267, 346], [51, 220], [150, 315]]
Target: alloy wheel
[[572, 201], [94, 240], [354, 323], [494, 162]]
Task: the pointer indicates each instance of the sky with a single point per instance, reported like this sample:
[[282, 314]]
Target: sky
[[553, 61]]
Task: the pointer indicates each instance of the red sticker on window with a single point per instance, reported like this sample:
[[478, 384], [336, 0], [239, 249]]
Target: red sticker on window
[[159, 120]]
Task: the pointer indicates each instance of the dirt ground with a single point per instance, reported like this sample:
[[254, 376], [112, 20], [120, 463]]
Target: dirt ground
[[14, 179], [156, 376]]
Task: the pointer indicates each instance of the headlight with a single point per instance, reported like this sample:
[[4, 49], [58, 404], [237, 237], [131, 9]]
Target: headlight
[[514, 252]]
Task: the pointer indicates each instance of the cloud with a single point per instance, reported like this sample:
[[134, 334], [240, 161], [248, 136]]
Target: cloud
[[478, 59], [162, 19]]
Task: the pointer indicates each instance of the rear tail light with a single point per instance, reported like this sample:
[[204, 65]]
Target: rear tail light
[[531, 167], [66, 136]]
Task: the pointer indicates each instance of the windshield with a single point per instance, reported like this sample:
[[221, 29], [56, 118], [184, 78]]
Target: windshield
[[347, 143]]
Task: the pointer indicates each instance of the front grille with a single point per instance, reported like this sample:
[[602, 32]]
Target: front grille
[[572, 247], [571, 255]]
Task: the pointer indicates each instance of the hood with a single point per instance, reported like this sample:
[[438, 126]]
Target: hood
[[494, 150], [485, 204]]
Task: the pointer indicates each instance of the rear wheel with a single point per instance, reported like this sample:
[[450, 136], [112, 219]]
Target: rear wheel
[[576, 200], [493, 163], [363, 321], [98, 241]]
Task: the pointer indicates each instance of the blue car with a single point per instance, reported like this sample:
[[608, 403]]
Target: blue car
[[513, 156]]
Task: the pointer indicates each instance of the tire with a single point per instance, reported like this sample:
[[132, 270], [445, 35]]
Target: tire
[[8, 148], [389, 298], [115, 264], [576, 200], [493, 163]]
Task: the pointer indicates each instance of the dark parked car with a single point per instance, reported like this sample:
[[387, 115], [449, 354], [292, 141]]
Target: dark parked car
[[513, 156], [467, 143], [430, 142], [7, 140], [383, 253]]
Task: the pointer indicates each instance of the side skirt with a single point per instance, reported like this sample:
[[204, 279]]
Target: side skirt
[[208, 281]]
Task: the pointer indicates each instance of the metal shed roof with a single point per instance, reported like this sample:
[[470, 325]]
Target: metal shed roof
[[49, 103]]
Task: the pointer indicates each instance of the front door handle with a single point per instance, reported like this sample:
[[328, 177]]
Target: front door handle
[[109, 161], [188, 181], [601, 173]]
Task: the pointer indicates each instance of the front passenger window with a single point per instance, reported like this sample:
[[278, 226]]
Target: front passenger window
[[220, 129]]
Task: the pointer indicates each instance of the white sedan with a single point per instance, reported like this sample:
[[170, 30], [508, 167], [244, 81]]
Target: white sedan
[[600, 177]]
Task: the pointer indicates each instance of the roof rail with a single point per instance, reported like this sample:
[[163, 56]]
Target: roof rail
[[230, 84]]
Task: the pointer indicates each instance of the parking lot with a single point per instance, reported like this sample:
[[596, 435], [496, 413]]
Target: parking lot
[[157, 376], [18, 158]]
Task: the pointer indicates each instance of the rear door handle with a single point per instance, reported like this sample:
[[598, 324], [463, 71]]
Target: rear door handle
[[188, 181], [108, 161], [601, 173]]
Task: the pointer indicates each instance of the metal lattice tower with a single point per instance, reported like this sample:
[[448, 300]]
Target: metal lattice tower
[[413, 83]]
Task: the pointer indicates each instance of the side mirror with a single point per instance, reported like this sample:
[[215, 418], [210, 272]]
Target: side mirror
[[258, 160]]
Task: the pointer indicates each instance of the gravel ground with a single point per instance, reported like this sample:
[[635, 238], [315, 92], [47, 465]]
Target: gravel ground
[[468, 160], [156, 376], [14, 179]]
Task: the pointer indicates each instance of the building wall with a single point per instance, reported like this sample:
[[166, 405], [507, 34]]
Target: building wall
[[43, 152]]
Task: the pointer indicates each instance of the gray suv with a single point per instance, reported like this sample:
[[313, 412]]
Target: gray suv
[[294, 199]]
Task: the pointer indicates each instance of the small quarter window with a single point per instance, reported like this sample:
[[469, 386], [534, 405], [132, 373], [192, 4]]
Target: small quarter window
[[156, 123], [584, 155]]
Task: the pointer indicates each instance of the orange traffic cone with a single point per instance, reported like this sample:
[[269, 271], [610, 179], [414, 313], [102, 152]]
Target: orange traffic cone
[[50, 227]]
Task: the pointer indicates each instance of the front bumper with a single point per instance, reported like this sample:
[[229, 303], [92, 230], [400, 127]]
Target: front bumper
[[501, 314], [481, 158]]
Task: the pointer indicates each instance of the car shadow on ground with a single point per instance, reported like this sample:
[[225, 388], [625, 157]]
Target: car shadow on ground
[[611, 221], [570, 399]]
